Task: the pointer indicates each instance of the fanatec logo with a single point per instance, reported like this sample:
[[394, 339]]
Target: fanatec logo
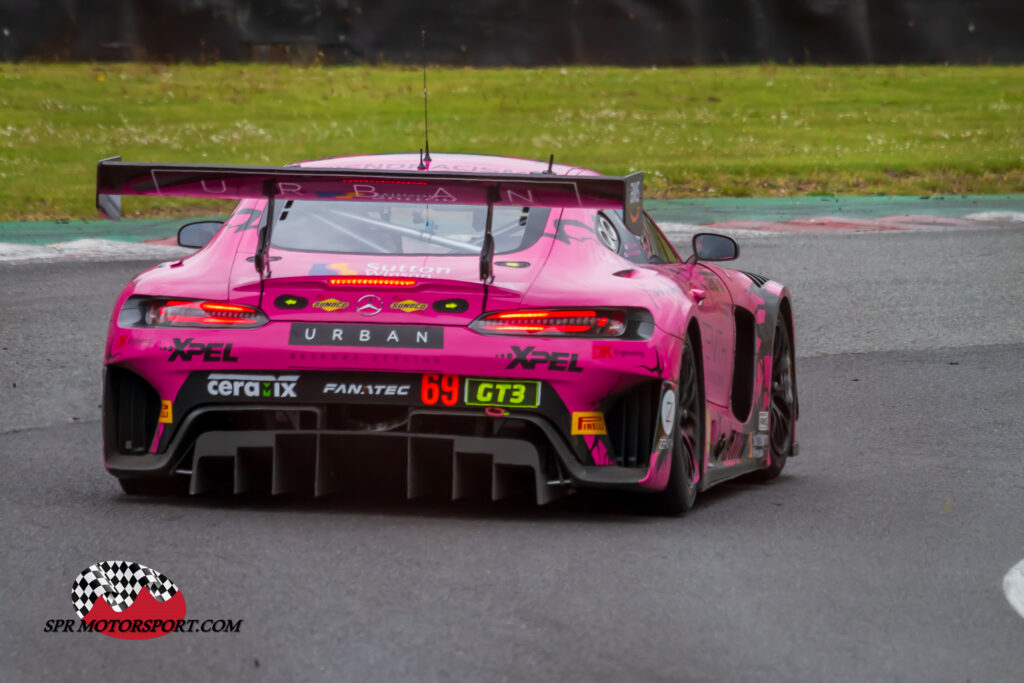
[[370, 304], [367, 389]]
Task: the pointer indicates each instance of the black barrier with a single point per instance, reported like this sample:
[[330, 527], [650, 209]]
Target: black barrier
[[516, 32]]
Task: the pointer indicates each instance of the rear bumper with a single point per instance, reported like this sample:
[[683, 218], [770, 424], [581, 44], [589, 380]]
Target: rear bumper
[[593, 419], [320, 461]]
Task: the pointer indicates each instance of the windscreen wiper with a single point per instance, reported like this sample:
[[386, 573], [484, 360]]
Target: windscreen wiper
[[487, 250], [261, 259]]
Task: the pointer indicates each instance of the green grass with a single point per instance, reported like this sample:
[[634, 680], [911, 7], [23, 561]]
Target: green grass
[[709, 131]]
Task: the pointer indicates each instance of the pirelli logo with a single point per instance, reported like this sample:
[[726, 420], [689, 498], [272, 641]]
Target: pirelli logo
[[588, 423]]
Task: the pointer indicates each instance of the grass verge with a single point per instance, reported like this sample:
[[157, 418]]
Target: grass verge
[[697, 132]]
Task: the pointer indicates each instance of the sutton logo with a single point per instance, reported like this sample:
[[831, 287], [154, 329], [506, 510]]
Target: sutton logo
[[427, 272]]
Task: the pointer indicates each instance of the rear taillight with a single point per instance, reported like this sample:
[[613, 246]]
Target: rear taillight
[[591, 322], [371, 281], [181, 313]]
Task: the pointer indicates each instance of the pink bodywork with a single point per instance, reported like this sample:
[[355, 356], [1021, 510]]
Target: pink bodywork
[[568, 267]]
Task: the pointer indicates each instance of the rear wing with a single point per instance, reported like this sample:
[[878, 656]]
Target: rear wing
[[115, 178]]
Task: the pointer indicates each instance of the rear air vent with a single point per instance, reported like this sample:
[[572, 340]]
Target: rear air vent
[[759, 280], [743, 364], [631, 424], [137, 407]]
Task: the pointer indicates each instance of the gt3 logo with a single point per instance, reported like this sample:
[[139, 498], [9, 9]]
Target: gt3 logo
[[527, 358], [185, 349], [252, 386]]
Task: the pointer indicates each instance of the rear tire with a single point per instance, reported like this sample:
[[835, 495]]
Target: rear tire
[[157, 486], [782, 402], [687, 441]]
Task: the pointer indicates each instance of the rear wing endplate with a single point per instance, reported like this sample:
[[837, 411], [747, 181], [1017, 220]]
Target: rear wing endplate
[[115, 178]]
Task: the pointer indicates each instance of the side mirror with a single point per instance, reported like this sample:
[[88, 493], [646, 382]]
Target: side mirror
[[198, 234], [708, 246]]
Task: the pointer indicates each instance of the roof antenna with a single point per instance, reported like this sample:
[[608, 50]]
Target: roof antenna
[[425, 159], [551, 162]]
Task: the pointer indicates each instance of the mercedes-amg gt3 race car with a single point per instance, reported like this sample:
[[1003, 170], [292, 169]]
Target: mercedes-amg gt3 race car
[[481, 326]]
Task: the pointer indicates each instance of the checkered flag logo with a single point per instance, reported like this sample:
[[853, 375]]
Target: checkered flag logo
[[119, 583]]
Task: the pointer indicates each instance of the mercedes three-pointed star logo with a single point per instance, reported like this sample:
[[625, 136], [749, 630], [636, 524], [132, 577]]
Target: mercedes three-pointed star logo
[[370, 304]]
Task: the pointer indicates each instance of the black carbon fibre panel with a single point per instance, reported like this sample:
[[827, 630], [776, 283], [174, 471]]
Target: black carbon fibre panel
[[320, 463]]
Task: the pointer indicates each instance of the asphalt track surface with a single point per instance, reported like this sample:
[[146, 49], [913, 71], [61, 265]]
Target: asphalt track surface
[[878, 555]]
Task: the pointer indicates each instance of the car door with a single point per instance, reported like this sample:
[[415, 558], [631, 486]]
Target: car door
[[713, 310]]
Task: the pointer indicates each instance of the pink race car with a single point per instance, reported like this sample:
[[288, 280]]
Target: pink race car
[[471, 325]]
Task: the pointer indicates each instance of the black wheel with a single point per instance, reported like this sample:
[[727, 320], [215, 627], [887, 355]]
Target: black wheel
[[688, 440], [156, 486], [783, 402]]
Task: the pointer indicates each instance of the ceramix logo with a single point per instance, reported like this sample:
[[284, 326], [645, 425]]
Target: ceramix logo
[[253, 386]]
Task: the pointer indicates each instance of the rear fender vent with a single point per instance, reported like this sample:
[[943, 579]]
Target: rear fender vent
[[630, 424], [136, 408], [743, 364]]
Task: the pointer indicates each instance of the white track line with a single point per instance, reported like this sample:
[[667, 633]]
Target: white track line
[[90, 250], [684, 231], [1001, 216], [1013, 586], [905, 224]]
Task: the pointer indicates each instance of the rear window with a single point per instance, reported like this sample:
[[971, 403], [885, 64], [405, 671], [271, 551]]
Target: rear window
[[403, 228]]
